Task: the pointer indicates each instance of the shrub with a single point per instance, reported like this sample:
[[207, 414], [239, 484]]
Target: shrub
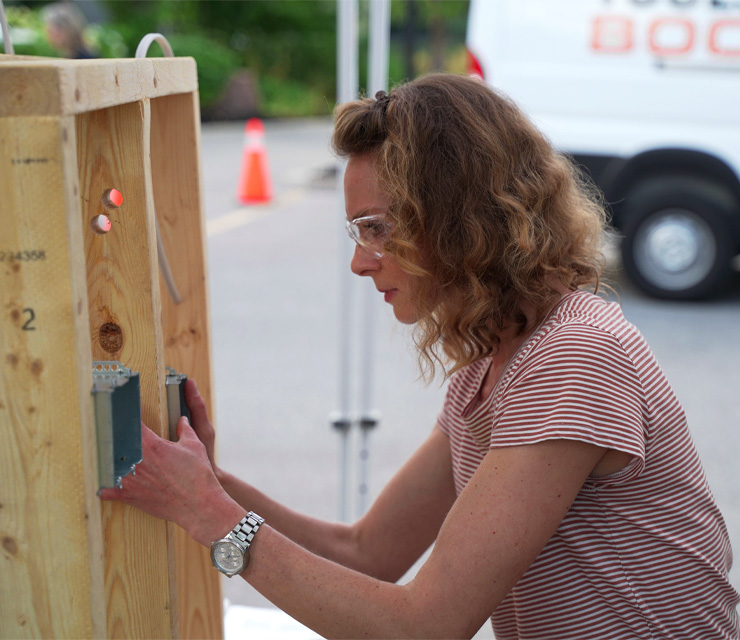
[[216, 62], [27, 33]]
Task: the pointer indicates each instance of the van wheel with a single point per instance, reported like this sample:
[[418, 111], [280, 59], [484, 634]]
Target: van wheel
[[678, 242]]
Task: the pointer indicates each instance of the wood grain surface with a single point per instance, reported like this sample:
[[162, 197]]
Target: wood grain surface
[[175, 147], [123, 289], [47, 86], [71, 567], [51, 582]]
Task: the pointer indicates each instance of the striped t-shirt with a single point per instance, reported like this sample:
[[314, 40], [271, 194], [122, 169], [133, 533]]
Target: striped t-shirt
[[642, 553]]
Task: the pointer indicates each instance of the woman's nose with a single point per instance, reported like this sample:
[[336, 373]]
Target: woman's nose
[[364, 261]]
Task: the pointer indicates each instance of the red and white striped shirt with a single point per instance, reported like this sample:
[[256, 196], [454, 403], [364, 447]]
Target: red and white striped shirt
[[642, 553]]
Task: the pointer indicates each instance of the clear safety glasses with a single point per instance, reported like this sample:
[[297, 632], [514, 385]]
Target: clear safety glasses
[[370, 232]]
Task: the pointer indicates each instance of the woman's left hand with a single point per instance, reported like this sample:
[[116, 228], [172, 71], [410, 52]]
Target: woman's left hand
[[175, 481]]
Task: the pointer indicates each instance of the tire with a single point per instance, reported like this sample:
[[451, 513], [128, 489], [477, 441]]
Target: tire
[[678, 238]]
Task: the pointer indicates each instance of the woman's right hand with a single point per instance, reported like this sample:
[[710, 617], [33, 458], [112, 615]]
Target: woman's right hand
[[200, 422]]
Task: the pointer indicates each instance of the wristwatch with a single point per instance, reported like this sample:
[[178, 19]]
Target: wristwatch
[[230, 554]]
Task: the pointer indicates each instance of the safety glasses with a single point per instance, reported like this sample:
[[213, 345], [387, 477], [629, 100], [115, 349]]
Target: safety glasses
[[370, 232]]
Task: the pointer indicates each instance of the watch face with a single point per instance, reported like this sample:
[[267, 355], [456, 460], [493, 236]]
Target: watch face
[[228, 557]]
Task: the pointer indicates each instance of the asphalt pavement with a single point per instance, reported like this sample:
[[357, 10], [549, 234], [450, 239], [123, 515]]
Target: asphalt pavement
[[274, 278]]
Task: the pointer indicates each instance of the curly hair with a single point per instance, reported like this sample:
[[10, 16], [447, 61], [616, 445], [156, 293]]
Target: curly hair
[[485, 213], [70, 21]]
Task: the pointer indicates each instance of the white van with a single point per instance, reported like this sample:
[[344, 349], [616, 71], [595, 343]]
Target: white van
[[645, 94]]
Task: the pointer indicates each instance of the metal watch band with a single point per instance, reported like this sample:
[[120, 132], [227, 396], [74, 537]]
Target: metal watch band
[[245, 531]]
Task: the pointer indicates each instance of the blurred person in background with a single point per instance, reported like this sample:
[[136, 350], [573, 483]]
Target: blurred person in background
[[560, 486], [65, 29]]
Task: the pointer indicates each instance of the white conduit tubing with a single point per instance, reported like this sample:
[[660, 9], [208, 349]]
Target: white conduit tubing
[[164, 264], [148, 40], [380, 31], [7, 42], [347, 88]]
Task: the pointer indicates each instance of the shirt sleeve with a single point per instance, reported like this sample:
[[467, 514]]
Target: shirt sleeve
[[578, 383]]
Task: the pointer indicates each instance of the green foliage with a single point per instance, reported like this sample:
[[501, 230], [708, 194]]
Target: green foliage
[[106, 41], [287, 98], [429, 10], [216, 62], [146, 16], [27, 33], [288, 45]]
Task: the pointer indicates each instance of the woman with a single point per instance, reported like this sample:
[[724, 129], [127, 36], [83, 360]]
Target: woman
[[65, 30], [560, 486]]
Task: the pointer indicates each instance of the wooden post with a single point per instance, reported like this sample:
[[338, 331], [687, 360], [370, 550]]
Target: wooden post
[[125, 325], [51, 581], [69, 131], [186, 326]]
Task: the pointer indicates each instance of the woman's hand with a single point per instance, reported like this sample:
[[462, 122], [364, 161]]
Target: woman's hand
[[175, 481]]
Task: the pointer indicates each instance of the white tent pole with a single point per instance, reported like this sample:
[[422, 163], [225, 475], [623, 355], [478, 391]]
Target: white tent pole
[[7, 41], [347, 88], [380, 36], [380, 26]]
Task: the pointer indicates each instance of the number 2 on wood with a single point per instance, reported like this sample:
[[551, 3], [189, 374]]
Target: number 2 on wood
[[31, 318]]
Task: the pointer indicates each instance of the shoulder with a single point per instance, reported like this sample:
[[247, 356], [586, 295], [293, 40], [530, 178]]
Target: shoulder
[[585, 343], [585, 326], [591, 309]]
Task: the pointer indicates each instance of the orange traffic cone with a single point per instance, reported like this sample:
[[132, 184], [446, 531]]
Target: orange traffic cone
[[254, 178]]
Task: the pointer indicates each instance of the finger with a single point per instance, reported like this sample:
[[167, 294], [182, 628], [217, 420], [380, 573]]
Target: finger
[[191, 386], [110, 494], [119, 493], [184, 430], [191, 390], [196, 404]]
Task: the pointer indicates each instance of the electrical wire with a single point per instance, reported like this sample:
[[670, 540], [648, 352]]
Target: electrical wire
[[164, 264], [147, 42]]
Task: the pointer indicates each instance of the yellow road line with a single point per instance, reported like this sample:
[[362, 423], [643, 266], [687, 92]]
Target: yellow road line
[[245, 215]]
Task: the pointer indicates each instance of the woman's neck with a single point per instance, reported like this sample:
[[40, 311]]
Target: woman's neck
[[512, 338]]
